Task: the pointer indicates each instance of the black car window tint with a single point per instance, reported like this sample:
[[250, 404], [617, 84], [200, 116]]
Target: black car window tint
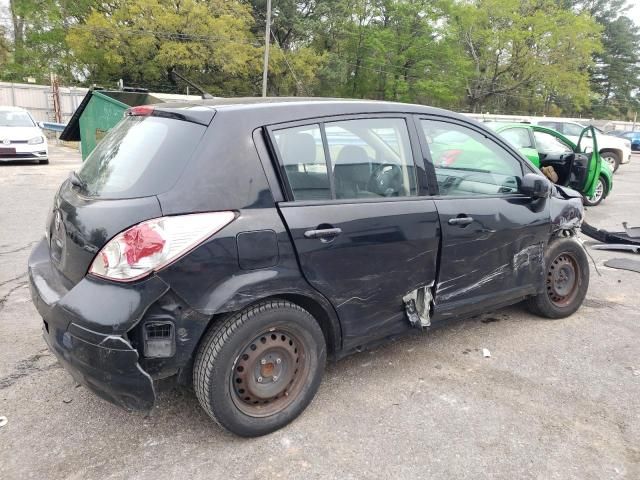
[[303, 161], [469, 163], [371, 158]]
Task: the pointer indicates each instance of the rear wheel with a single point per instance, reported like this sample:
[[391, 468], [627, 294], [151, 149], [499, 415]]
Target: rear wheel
[[612, 159], [566, 280], [44, 162], [598, 195], [259, 369]]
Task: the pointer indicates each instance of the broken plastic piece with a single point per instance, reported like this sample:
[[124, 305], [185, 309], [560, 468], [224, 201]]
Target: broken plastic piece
[[608, 237], [417, 305], [3, 421], [633, 232], [617, 246], [486, 353]]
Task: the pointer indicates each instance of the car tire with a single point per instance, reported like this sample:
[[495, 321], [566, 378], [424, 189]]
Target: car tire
[[258, 369], [599, 195], [44, 162], [566, 280], [612, 158]]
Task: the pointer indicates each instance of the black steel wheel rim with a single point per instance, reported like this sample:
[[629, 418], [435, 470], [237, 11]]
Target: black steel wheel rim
[[269, 373], [563, 279]]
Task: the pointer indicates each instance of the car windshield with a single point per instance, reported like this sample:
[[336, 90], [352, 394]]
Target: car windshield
[[15, 119]]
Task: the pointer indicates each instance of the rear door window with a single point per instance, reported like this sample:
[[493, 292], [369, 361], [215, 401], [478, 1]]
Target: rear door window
[[350, 159], [140, 157], [304, 163], [371, 158]]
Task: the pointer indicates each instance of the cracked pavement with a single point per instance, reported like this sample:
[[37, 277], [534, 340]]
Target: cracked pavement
[[556, 400]]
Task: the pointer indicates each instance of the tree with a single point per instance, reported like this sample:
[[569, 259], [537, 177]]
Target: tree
[[390, 49], [140, 41], [39, 28], [532, 49]]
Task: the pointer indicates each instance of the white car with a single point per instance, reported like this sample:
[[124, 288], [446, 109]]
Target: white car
[[20, 137], [613, 150]]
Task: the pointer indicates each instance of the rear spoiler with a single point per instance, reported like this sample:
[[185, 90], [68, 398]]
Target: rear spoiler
[[189, 113]]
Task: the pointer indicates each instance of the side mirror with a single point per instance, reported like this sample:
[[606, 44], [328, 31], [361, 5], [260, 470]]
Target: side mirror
[[535, 186], [41, 124]]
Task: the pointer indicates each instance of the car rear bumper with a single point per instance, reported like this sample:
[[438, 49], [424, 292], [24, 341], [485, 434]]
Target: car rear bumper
[[97, 354]]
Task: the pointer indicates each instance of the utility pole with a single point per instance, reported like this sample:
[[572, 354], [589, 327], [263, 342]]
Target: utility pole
[[267, 37]]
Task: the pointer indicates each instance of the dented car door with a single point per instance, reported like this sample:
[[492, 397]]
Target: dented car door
[[365, 235], [492, 236]]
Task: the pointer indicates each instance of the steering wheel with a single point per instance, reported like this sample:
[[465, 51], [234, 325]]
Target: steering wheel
[[385, 180]]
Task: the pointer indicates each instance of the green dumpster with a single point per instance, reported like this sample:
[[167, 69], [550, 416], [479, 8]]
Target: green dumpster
[[98, 113]]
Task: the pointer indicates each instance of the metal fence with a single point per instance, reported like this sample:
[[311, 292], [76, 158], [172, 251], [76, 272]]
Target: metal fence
[[38, 99]]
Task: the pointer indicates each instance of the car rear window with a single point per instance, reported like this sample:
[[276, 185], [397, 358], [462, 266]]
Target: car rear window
[[140, 157]]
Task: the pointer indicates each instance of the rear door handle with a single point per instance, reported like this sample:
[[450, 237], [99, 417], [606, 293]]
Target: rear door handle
[[461, 221], [323, 233]]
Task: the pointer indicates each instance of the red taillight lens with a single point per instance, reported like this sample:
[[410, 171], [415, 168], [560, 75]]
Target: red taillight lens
[[141, 241], [141, 111], [449, 157], [154, 244]]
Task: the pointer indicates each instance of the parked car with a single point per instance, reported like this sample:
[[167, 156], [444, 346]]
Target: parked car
[[613, 150], [633, 137], [546, 147], [233, 245], [20, 137]]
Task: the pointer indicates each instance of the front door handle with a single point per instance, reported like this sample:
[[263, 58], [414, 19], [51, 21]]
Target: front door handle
[[461, 221], [323, 233]]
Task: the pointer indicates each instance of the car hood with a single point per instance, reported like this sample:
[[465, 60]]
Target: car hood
[[613, 140], [19, 133]]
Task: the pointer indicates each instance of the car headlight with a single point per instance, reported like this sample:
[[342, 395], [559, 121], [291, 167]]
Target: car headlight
[[36, 140]]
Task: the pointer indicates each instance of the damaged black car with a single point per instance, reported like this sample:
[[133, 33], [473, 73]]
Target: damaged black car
[[234, 245]]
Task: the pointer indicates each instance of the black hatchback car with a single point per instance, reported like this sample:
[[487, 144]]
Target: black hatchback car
[[235, 244]]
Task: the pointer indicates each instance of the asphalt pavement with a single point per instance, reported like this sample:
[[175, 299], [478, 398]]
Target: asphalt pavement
[[556, 399]]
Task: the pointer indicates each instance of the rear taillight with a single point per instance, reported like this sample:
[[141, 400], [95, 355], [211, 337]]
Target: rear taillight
[[141, 111], [154, 244]]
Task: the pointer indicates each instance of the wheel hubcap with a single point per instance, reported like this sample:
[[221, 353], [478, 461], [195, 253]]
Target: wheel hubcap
[[562, 279], [597, 195], [268, 374], [611, 161]]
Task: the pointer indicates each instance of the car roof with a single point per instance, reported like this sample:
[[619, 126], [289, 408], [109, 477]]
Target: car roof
[[313, 105]]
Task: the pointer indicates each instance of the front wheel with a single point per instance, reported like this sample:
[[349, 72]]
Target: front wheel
[[566, 280], [598, 195], [259, 369]]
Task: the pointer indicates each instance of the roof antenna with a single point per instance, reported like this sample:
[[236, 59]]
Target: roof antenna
[[173, 74]]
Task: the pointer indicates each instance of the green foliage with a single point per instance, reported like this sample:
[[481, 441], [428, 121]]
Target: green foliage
[[140, 41], [511, 56]]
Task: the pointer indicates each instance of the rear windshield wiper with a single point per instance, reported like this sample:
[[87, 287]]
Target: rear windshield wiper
[[76, 181]]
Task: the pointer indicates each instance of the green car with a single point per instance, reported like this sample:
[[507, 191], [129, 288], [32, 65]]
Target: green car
[[546, 147]]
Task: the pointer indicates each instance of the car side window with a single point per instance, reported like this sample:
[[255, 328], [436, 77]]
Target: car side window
[[550, 145], [304, 162], [572, 129], [469, 163], [371, 158], [518, 137]]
